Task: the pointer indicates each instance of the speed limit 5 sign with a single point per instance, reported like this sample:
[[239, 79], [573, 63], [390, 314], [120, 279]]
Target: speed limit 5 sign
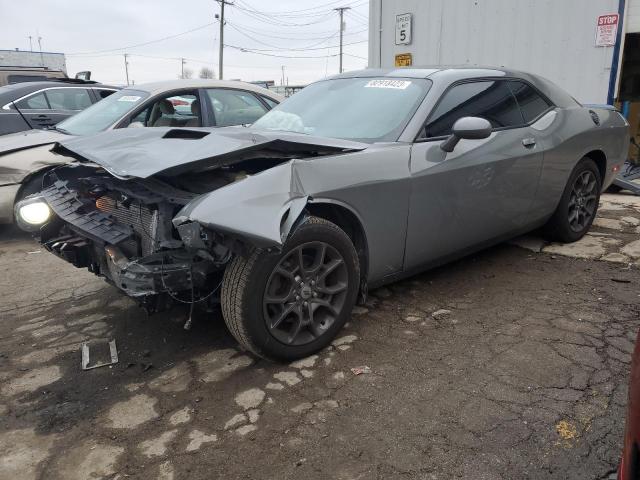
[[403, 29]]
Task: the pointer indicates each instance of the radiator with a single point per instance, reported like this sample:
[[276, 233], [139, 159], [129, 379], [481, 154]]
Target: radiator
[[139, 217]]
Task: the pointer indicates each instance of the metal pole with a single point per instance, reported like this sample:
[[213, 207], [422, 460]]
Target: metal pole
[[30, 43], [341, 11], [220, 59], [126, 67], [40, 48], [182, 62]]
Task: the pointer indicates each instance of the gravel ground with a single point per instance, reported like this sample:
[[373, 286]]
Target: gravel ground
[[511, 363]]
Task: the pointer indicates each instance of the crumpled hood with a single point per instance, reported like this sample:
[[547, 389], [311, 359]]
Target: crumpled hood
[[143, 152], [29, 139]]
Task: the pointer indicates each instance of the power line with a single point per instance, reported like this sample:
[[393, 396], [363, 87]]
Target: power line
[[303, 49], [144, 43], [313, 46], [248, 50], [257, 15], [269, 33], [321, 6]]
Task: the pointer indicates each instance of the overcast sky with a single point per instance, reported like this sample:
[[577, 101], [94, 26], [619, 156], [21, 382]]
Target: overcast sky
[[93, 33]]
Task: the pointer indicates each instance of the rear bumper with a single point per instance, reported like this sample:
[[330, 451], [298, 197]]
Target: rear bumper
[[7, 200]]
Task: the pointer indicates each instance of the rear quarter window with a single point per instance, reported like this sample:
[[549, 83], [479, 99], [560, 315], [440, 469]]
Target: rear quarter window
[[531, 103], [488, 99]]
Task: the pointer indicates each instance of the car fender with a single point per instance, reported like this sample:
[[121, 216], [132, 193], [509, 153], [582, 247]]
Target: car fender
[[261, 208]]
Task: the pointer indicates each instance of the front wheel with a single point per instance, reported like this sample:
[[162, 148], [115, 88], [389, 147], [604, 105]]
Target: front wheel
[[290, 304], [579, 204]]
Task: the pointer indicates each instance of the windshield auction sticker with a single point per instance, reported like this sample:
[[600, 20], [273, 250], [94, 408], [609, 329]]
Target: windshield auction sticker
[[129, 98], [384, 83]]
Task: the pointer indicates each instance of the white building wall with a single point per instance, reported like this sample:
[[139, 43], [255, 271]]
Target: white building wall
[[22, 58], [633, 16], [552, 38]]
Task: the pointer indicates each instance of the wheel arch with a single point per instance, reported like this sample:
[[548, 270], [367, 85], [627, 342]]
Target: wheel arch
[[349, 221], [30, 177], [600, 159]]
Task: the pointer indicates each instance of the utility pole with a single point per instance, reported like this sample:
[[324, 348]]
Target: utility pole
[[221, 55], [126, 67], [30, 43], [341, 11], [182, 62], [40, 48], [282, 79]]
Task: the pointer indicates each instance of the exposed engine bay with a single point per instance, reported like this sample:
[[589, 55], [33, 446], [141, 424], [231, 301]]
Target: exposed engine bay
[[122, 231]]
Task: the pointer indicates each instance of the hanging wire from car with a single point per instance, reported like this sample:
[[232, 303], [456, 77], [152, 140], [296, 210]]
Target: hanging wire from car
[[193, 301]]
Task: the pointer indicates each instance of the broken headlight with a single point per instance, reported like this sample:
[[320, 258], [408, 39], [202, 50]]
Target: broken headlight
[[32, 213]]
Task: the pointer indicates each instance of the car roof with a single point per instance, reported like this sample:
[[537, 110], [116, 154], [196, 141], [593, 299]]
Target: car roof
[[432, 71], [448, 74], [14, 91], [158, 87], [33, 86]]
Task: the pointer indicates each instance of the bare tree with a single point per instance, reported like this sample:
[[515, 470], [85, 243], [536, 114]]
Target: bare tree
[[206, 72], [187, 73]]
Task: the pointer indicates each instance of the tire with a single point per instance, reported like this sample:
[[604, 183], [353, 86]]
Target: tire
[[578, 206], [254, 289]]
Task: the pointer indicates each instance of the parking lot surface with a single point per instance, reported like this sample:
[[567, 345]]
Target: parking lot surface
[[511, 363]]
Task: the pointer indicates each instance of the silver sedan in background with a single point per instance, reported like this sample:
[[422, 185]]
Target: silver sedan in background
[[26, 156], [354, 182]]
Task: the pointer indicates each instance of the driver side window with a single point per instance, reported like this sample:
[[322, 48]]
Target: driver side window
[[491, 100], [174, 110]]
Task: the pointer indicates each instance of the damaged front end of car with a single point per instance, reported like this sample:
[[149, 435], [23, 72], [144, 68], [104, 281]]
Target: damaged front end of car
[[168, 237], [122, 231]]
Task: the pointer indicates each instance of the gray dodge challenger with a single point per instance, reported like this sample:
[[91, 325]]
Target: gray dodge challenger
[[354, 182]]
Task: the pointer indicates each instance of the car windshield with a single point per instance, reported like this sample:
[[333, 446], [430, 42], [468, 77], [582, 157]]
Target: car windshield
[[103, 114], [361, 109]]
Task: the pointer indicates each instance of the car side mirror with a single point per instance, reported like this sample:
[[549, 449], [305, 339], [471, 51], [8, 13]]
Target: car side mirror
[[469, 128]]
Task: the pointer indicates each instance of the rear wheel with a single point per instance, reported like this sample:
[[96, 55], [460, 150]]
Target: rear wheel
[[291, 304], [578, 205]]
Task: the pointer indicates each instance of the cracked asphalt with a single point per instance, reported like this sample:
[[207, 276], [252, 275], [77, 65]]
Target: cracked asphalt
[[511, 363]]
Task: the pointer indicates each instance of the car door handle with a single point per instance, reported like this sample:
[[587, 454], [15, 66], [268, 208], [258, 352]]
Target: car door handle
[[42, 118], [529, 142]]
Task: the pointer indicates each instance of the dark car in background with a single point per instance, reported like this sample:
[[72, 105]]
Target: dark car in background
[[630, 463], [28, 105]]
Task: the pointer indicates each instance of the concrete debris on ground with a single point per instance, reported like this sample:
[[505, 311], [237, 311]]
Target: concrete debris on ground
[[360, 370]]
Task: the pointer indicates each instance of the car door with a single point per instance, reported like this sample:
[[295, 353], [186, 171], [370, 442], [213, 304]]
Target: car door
[[35, 109], [480, 191], [65, 102]]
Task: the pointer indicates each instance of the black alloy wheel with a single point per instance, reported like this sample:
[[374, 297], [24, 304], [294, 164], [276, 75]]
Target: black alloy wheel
[[583, 201], [305, 293]]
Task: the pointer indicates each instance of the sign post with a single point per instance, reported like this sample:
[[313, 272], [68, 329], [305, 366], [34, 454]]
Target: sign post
[[403, 29], [607, 30], [404, 60]]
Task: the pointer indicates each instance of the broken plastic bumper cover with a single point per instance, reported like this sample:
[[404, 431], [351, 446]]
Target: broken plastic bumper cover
[[90, 221], [90, 239]]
